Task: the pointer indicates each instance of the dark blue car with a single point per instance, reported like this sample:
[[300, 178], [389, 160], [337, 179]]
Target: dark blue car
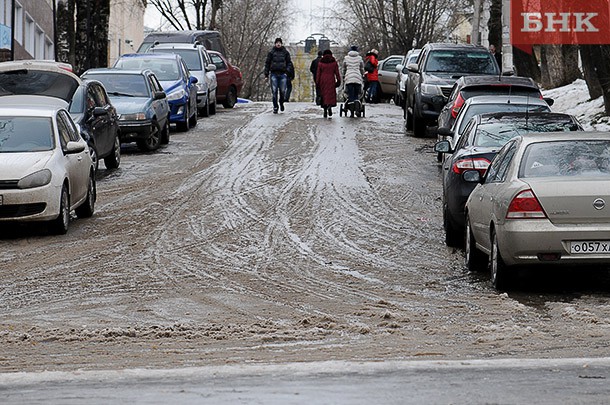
[[177, 82], [141, 103]]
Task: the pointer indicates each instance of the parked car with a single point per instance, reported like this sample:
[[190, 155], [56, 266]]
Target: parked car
[[483, 136], [177, 82], [86, 101], [141, 103], [387, 75], [543, 201], [200, 65], [487, 104], [212, 40], [46, 170], [230, 80], [470, 86], [403, 75], [431, 79]]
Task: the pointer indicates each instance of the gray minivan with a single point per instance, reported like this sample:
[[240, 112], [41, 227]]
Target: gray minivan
[[210, 39]]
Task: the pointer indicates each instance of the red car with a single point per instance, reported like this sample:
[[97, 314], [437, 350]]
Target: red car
[[229, 80]]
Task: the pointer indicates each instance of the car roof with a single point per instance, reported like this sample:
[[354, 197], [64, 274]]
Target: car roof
[[176, 45], [474, 80], [517, 115], [504, 99], [151, 55], [535, 137], [450, 45], [30, 105], [117, 71]]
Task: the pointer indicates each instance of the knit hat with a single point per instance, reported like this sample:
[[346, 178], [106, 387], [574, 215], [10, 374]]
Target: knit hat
[[353, 48], [375, 51], [328, 52], [278, 39]]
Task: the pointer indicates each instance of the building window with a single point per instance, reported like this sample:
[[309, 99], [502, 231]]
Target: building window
[[49, 52], [39, 44], [18, 23], [30, 35]]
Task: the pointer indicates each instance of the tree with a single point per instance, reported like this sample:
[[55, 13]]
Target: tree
[[188, 14], [559, 65]]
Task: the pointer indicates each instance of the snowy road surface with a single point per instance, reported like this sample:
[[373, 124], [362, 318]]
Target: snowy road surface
[[262, 238]]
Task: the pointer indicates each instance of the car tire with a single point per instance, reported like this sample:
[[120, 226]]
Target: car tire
[[453, 237], [205, 110], [184, 126], [165, 133], [213, 108], [113, 161], [59, 226], [86, 209], [153, 140], [231, 98], [94, 156], [193, 118], [419, 126], [499, 273], [475, 260], [408, 120]]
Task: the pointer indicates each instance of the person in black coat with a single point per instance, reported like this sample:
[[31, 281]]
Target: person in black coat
[[313, 68], [277, 66]]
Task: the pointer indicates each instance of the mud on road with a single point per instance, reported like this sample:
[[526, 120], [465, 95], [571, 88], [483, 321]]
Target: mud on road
[[275, 238]]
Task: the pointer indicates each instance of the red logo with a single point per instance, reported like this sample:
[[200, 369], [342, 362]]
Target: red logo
[[560, 22]]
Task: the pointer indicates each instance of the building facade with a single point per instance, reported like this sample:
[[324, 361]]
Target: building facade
[[33, 30], [125, 27]]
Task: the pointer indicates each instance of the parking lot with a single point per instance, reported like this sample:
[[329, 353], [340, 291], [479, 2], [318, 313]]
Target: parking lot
[[269, 238]]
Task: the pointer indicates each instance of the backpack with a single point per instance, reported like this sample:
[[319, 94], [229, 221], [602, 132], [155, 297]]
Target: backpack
[[368, 66]]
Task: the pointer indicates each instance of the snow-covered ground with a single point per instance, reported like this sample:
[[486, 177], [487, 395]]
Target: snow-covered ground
[[574, 99]]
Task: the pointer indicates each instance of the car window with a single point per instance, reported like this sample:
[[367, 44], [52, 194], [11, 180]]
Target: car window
[[474, 109], [155, 83], [189, 56], [99, 95], [461, 61], [119, 84], [165, 69], [566, 158], [390, 65], [217, 60], [70, 128], [499, 166], [25, 134]]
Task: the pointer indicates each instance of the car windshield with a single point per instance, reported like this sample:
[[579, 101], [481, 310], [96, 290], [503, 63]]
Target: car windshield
[[123, 85], [587, 158], [165, 69], [25, 134], [475, 109], [38, 82], [190, 56], [498, 133], [460, 61]]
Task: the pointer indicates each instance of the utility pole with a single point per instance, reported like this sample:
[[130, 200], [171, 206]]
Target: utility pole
[[507, 46], [476, 23]]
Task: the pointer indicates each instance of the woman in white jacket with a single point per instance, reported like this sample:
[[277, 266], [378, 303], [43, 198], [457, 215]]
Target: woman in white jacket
[[353, 72]]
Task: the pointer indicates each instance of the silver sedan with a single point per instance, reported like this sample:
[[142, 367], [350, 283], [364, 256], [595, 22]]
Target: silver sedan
[[45, 167], [543, 201]]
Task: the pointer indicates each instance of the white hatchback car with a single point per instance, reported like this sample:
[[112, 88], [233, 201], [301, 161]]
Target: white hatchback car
[[45, 167]]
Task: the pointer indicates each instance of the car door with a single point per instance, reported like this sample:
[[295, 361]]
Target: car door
[[222, 73], [387, 75], [77, 164], [191, 87], [101, 125], [159, 106], [210, 75], [488, 201]]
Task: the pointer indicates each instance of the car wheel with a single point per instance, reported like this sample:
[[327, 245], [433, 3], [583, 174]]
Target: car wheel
[[205, 111], [94, 156], [231, 98], [113, 160], [165, 133], [154, 138], [453, 238], [213, 108], [86, 209], [408, 120], [475, 259], [419, 126], [184, 125], [499, 273], [59, 226]]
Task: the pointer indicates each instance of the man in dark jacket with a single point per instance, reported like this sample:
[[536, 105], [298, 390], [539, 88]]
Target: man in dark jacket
[[313, 68], [277, 65]]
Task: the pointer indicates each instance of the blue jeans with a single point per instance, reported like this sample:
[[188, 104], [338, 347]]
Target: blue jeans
[[278, 84]]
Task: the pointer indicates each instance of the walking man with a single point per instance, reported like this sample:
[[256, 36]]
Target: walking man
[[277, 66]]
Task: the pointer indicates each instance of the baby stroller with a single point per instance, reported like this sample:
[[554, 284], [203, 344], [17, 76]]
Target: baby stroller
[[355, 107]]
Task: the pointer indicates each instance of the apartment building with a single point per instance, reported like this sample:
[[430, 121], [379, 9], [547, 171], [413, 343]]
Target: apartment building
[[33, 30]]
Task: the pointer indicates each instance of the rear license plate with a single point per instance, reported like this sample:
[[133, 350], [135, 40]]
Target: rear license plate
[[590, 246]]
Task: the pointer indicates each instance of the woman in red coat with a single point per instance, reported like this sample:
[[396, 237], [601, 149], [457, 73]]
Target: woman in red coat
[[327, 80]]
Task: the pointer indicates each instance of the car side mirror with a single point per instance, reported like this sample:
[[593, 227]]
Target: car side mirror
[[74, 147], [472, 176], [442, 147], [211, 67], [549, 101], [193, 80], [159, 95], [412, 67], [444, 131], [399, 68]]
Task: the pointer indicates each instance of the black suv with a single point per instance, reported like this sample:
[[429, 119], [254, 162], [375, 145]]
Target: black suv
[[430, 79]]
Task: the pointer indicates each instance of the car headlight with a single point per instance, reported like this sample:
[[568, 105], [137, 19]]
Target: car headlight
[[38, 179], [431, 89], [176, 95], [133, 117]]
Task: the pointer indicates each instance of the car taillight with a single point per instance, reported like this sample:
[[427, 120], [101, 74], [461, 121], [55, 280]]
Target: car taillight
[[480, 164], [457, 104], [525, 205]]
